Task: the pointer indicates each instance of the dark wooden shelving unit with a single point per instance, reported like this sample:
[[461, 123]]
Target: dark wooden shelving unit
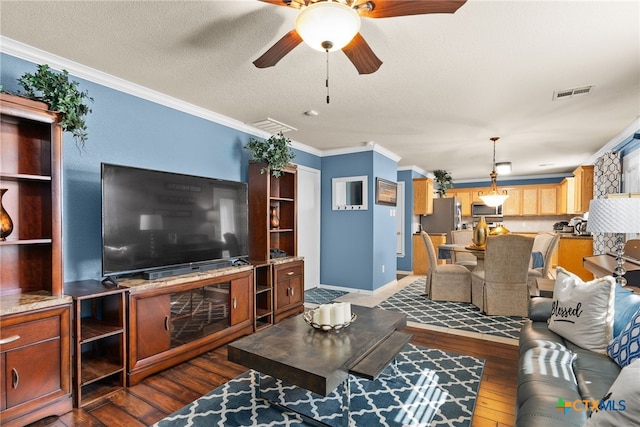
[[32, 269], [276, 296], [100, 339]]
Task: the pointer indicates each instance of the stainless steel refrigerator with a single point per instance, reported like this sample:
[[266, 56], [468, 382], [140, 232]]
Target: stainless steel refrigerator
[[446, 216]]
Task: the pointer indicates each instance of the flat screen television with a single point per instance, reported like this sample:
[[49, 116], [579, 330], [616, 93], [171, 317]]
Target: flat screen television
[[153, 220]]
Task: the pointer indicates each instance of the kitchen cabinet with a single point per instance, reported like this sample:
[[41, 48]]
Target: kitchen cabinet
[[465, 198], [420, 258], [548, 200], [99, 336], [513, 205], [583, 188], [174, 319], [529, 200], [571, 251], [422, 196]]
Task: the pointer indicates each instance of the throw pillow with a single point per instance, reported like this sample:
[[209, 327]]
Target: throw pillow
[[582, 312], [619, 407], [625, 348], [626, 304]]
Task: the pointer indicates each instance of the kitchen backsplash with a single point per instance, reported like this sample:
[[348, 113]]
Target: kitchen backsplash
[[532, 224]]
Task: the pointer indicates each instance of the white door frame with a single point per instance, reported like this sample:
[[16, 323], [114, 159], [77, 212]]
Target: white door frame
[[309, 213]]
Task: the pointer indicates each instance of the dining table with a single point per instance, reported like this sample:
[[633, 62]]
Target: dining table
[[444, 252]]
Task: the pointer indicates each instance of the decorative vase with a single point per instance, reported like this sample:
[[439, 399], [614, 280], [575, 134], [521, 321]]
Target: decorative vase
[[275, 221], [6, 225], [480, 233]]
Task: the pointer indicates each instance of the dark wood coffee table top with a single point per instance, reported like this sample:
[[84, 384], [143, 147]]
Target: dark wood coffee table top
[[315, 360]]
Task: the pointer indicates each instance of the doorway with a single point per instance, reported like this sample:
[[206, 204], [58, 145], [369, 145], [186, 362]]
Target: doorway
[[309, 224]]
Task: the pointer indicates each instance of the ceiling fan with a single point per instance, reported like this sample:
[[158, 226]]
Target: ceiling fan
[[341, 18]]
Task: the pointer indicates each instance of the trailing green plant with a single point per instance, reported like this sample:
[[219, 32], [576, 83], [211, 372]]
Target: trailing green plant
[[275, 152], [444, 181], [62, 95]]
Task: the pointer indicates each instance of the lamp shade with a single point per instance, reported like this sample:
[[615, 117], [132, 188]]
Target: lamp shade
[[614, 215], [150, 222], [494, 200], [327, 22]]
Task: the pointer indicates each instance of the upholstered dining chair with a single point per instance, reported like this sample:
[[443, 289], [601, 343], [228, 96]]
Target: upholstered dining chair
[[543, 246], [501, 288], [465, 259], [445, 282]]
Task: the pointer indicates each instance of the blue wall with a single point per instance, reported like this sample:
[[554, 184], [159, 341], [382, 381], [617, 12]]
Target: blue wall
[[125, 129], [356, 244]]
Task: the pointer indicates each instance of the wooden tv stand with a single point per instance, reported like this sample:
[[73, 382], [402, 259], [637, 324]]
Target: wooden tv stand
[[174, 319]]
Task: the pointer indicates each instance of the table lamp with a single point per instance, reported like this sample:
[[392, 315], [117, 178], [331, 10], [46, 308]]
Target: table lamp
[[619, 216]]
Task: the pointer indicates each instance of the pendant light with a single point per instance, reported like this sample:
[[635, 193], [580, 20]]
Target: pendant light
[[494, 198]]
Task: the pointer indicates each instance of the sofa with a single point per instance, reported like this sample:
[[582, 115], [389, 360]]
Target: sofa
[[566, 376]]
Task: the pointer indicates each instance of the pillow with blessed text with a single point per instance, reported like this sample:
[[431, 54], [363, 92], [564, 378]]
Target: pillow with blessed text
[[582, 312]]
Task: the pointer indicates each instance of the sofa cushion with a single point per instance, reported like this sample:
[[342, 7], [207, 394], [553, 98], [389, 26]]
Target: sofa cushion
[[594, 372], [625, 348], [543, 411], [540, 309], [583, 312], [619, 406], [547, 370], [535, 334], [626, 304]]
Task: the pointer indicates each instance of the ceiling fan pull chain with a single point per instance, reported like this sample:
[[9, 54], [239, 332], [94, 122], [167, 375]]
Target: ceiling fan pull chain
[[327, 81]]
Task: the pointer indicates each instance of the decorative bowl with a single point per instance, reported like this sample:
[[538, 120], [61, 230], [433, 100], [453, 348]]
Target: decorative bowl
[[308, 317]]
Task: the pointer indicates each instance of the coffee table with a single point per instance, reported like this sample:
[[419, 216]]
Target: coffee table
[[321, 361]]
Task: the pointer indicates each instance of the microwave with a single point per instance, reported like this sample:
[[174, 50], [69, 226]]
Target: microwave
[[480, 209]]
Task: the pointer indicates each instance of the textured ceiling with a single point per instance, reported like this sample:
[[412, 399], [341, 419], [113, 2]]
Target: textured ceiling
[[447, 83]]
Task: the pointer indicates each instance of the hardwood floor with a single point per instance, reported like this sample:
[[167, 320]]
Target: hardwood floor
[[166, 392]]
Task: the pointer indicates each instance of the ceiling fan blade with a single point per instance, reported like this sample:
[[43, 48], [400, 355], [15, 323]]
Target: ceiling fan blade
[[279, 50], [361, 55], [390, 8], [291, 3]]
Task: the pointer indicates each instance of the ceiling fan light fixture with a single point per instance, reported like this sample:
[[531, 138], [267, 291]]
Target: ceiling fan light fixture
[[327, 25]]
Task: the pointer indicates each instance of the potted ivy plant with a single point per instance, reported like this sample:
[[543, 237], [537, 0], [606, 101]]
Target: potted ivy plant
[[63, 96], [275, 152], [444, 181]]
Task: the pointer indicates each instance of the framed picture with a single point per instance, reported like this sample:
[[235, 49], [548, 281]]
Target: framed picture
[[386, 192]]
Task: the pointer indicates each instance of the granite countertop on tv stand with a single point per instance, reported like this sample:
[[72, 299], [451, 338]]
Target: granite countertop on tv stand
[[140, 284], [19, 303]]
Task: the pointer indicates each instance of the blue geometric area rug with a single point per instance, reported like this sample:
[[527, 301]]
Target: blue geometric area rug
[[432, 388], [321, 295], [456, 315]]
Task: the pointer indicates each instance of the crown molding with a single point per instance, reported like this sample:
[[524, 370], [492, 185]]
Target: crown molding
[[361, 149], [39, 56]]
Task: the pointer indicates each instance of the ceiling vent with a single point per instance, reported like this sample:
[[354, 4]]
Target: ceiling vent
[[272, 126], [570, 93]]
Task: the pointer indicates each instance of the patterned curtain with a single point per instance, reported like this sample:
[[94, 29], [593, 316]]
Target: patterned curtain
[[607, 179]]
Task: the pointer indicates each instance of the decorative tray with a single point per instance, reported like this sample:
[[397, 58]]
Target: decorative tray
[[308, 317]]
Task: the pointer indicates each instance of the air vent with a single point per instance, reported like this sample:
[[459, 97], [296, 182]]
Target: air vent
[[570, 93], [272, 126]]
